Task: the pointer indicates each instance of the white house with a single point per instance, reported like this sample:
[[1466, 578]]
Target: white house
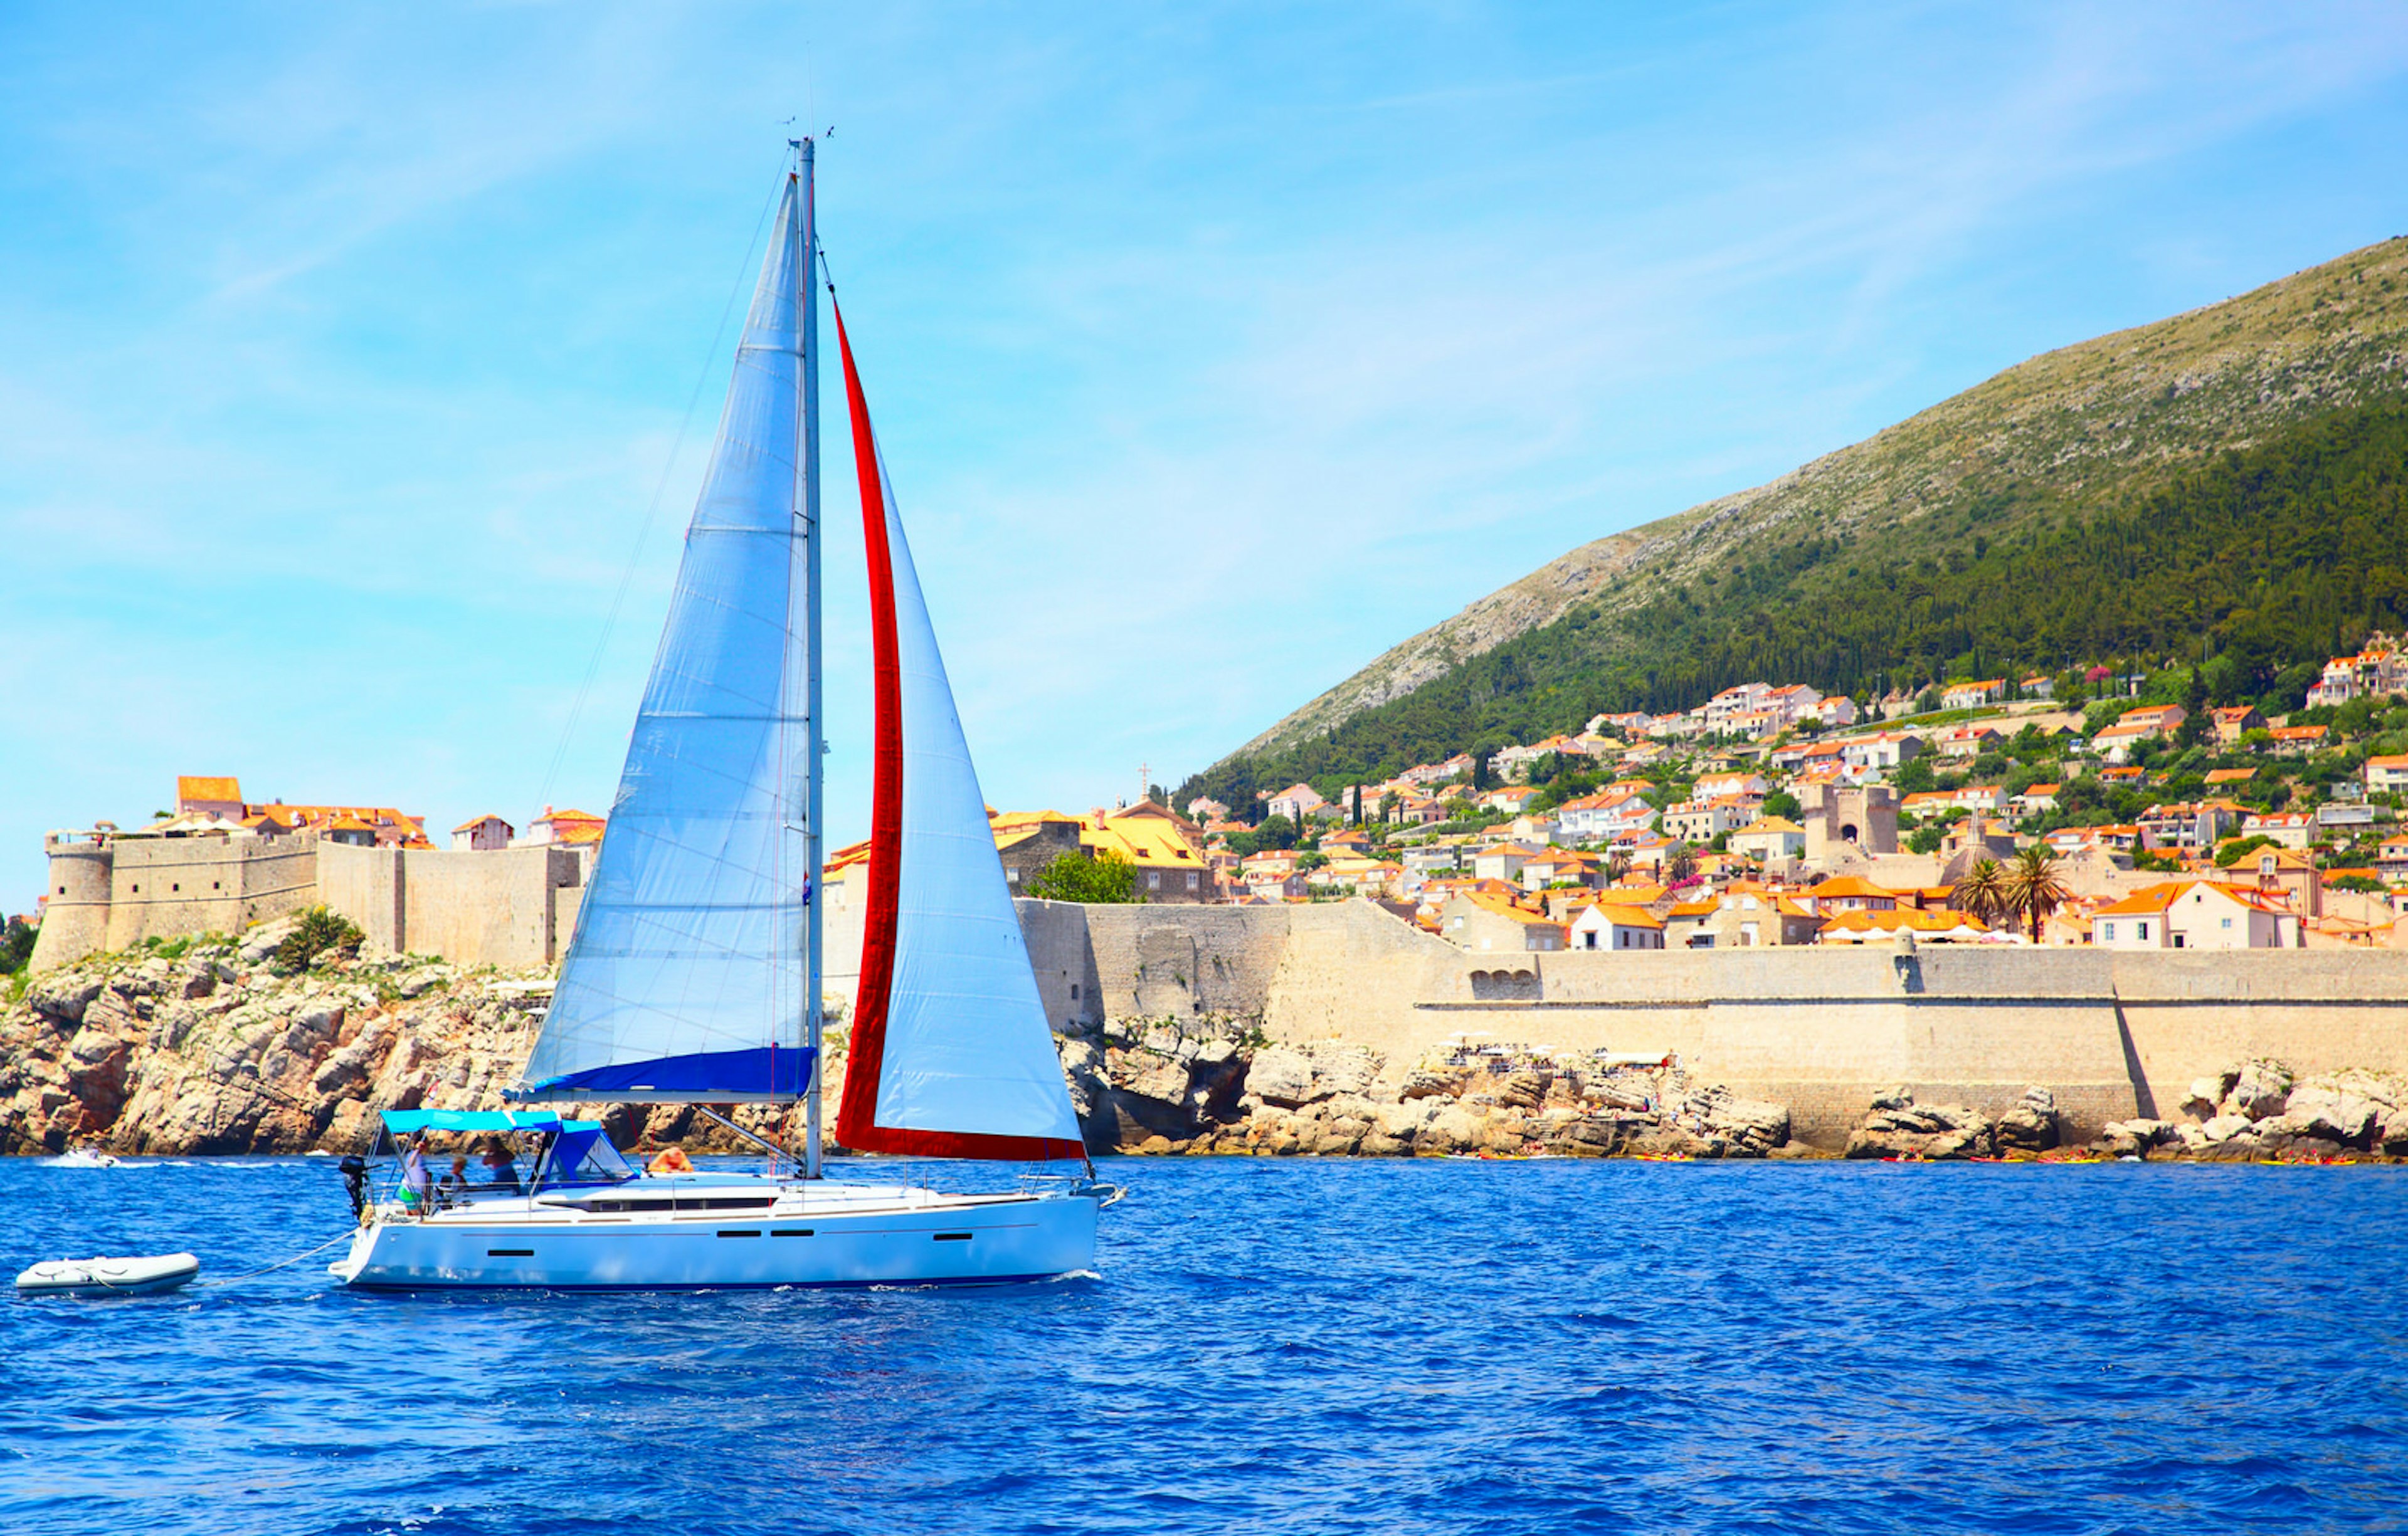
[[1616, 925], [1296, 803], [1973, 695], [1771, 838], [2195, 915]]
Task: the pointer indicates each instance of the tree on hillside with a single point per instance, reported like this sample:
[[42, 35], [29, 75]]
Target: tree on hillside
[[2032, 889], [1782, 802], [17, 945], [1276, 832], [1106, 879]]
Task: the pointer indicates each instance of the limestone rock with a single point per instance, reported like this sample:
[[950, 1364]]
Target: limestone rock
[[2030, 1125], [2261, 1090], [1279, 1077], [1898, 1127]]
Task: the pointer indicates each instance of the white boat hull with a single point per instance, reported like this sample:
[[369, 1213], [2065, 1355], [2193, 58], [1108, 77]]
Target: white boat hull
[[819, 1234]]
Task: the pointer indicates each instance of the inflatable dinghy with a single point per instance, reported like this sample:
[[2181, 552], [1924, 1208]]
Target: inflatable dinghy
[[142, 1275]]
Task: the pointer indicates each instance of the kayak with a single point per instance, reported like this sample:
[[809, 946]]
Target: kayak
[[142, 1275]]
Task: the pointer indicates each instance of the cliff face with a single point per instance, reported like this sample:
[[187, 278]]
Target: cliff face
[[213, 1051]]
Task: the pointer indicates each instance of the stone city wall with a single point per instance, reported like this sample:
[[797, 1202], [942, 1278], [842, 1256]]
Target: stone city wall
[[502, 907], [2114, 1034]]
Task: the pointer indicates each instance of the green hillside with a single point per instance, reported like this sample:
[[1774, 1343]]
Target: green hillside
[[2227, 480]]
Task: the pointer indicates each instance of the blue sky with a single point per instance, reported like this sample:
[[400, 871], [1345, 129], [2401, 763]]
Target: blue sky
[[345, 349]]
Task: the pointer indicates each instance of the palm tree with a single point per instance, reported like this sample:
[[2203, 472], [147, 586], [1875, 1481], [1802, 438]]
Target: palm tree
[[1982, 892], [2032, 889]]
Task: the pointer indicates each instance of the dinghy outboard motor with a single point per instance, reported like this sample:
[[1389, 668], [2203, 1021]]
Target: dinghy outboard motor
[[355, 1180]]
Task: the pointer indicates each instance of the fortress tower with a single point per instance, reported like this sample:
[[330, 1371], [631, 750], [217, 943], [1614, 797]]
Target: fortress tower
[[75, 910], [1864, 817]]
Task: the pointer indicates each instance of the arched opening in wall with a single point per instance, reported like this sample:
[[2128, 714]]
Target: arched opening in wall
[[1848, 831]]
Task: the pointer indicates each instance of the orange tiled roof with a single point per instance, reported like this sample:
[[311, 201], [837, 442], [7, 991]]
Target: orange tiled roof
[[197, 787]]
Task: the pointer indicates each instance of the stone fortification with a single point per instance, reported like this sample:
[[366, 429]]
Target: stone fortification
[[1306, 1027], [507, 907], [2115, 1035]]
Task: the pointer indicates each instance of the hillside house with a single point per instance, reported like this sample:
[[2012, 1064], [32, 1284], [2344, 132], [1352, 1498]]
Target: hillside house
[[2195, 915], [486, 833], [1748, 915], [1620, 926], [1028, 841], [1848, 893], [2288, 829], [1700, 822], [1715, 786], [2038, 688], [2391, 857], [1480, 922], [2387, 774], [1973, 695], [1561, 868], [1770, 838], [1503, 861], [1882, 751], [2035, 800], [2189, 828], [1967, 741], [1296, 803], [2233, 724], [2295, 741], [1512, 799]]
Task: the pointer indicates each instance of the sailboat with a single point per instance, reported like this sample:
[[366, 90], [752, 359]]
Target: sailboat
[[696, 970]]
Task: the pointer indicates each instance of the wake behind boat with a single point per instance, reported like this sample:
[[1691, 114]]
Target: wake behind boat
[[695, 973]]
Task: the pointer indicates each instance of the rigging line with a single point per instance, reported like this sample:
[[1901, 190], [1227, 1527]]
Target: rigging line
[[652, 512]]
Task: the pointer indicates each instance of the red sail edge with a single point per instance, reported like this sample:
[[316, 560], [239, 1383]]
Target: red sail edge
[[857, 1118]]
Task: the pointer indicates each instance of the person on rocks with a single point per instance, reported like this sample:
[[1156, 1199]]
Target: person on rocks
[[501, 1170], [670, 1160]]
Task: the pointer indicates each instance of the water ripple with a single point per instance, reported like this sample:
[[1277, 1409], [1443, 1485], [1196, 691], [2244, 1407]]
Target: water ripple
[[1289, 1347]]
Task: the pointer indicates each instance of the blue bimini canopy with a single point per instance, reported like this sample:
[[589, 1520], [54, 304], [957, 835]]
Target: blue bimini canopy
[[401, 1122]]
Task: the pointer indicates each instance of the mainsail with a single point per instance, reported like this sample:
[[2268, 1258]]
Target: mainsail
[[686, 978], [951, 1053]]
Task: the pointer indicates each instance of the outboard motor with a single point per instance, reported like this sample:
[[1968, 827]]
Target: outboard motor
[[355, 1180]]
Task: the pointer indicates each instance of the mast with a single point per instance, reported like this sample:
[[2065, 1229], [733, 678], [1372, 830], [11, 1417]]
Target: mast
[[814, 748]]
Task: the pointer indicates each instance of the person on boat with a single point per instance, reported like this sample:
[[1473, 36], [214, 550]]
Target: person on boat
[[670, 1160], [501, 1169], [456, 1180], [417, 1185]]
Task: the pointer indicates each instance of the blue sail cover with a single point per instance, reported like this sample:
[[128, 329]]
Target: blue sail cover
[[685, 979]]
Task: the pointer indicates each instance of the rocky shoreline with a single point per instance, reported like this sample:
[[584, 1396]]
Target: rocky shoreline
[[219, 1046]]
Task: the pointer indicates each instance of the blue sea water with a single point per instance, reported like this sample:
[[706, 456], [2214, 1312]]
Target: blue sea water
[[1277, 1345]]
